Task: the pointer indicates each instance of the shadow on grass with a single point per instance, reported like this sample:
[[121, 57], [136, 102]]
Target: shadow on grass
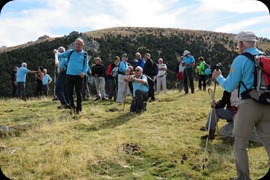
[[109, 123]]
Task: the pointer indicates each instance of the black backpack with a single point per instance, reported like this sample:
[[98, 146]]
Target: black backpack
[[155, 69]]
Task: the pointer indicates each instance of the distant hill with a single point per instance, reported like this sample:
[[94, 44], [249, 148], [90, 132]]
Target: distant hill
[[168, 43]]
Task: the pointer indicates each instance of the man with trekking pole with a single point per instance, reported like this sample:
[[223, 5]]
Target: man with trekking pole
[[250, 113]]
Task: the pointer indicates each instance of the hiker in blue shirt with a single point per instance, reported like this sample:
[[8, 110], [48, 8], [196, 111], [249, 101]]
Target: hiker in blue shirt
[[60, 89], [76, 70], [189, 63], [46, 80], [140, 90], [122, 88], [250, 113], [138, 60], [21, 79]]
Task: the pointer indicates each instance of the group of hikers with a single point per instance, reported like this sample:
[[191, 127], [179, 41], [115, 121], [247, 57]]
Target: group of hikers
[[139, 80]]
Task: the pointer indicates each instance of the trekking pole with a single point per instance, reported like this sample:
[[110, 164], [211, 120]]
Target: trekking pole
[[125, 95], [209, 123]]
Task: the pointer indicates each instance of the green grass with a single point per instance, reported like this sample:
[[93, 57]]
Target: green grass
[[52, 144]]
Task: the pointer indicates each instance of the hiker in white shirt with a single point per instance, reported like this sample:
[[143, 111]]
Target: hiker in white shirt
[[161, 76]]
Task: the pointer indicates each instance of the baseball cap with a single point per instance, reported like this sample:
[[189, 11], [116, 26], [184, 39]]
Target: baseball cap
[[245, 36], [124, 55]]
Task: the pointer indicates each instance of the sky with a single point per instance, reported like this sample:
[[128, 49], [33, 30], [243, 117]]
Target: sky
[[22, 21]]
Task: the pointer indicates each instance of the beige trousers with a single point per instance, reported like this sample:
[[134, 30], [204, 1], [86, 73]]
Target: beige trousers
[[249, 115]]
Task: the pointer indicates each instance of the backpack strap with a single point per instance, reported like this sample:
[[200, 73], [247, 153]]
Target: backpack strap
[[84, 56], [245, 94], [69, 55]]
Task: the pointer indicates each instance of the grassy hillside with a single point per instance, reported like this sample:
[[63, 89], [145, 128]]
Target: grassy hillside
[[162, 143]]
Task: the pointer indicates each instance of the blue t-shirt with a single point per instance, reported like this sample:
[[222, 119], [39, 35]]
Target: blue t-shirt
[[140, 86], [46, 78], [123, 66], [140, 62], [242, 69], [77, 64], [21, 74], [188, 60]]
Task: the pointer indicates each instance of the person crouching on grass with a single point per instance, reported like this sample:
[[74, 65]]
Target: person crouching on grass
[[140, 90]]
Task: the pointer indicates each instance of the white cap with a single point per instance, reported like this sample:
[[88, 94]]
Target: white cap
[[246, 36], [186, 52]]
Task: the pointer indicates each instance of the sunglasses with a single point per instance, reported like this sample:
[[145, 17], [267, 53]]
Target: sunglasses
[[137, 70]]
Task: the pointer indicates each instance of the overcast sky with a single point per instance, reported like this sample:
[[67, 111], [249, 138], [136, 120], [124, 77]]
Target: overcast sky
[[22, 21]]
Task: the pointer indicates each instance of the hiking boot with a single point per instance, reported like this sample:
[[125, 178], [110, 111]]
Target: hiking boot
[[203, 129], [211, 135], [63, 106]]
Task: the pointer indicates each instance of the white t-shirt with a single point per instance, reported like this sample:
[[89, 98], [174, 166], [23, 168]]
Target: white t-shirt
[[161, 72], [181, 67]]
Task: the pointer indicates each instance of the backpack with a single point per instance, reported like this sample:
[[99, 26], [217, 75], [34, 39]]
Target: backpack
[[207, 69], [260, 91], [115, 71], [155, 69]]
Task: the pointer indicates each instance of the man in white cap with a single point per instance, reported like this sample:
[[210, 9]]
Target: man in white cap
[[189, 63], [250, 112]]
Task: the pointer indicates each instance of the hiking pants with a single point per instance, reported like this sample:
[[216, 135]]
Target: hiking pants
[[217, 114], [122, 88], [137, 104], [161, 82], [249, 115], [71, 82], [61, 90], [202, 82], [100, 86], [188, 78]]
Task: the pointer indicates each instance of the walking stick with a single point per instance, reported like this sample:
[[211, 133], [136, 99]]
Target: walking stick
[[213, 101], [125, 95]]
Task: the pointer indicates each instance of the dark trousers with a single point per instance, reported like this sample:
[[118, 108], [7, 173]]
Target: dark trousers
[[14, 89], [45, 89], [71, 82], [138, 102], [112, 89], [21, 86], [202, 82], [61, 90], [188, 78], [151, 84], [85, 87], [39, 88]]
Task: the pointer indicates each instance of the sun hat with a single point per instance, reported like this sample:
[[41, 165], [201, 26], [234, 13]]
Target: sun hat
[[186, 52], [246, 36], [61, 49]]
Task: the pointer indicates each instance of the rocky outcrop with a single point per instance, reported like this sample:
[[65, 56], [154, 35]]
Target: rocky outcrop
[[226, 133]]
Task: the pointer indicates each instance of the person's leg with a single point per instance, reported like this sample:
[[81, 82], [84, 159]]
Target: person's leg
[[244, 122], [70, 88], [78, 89], [102, 87], [158, 84], [200, 82], [163, 82], [185, 81], [204, 82], [121, 88], [140, 96]]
